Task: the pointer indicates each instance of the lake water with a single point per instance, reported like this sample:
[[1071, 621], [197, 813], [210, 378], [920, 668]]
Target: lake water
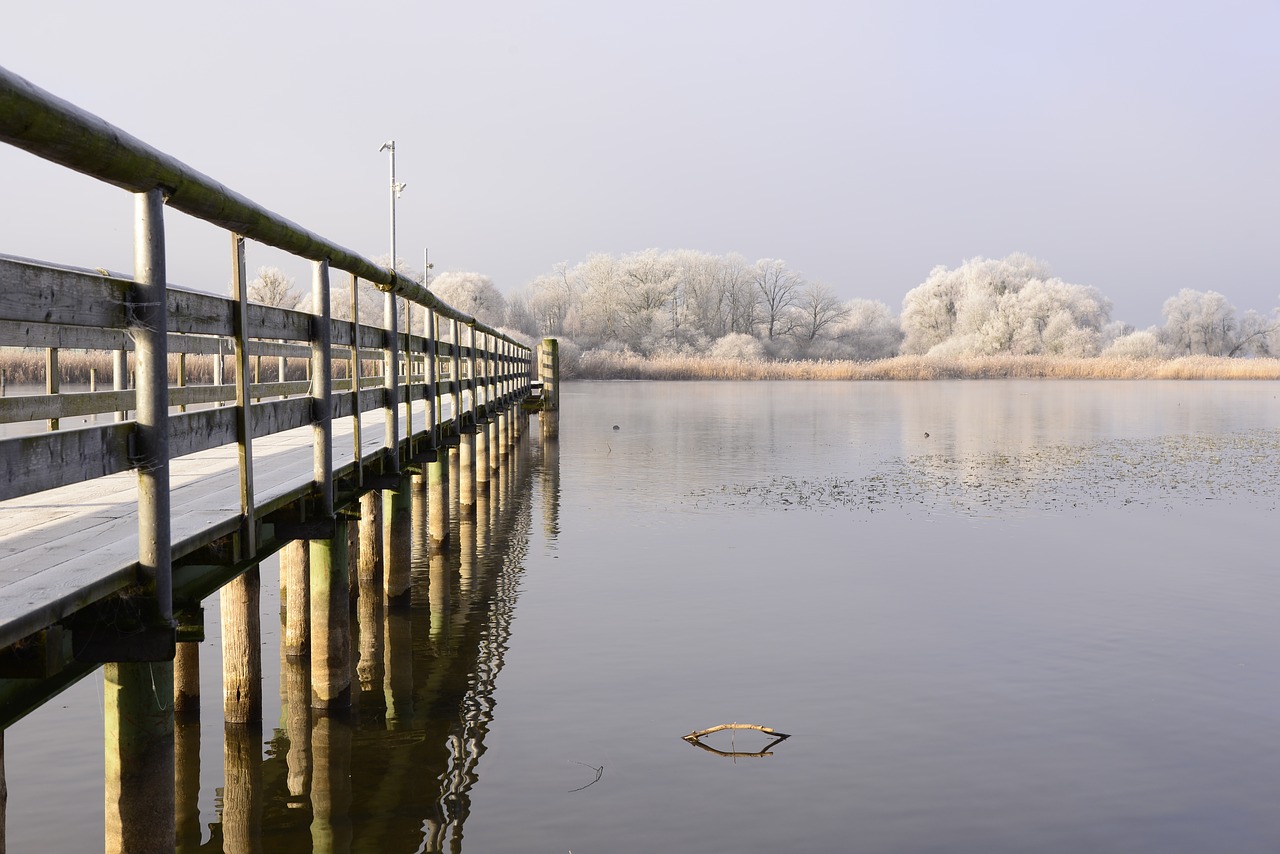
[[998, 616]]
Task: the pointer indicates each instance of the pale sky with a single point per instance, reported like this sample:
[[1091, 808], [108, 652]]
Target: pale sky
[[1130, 145]]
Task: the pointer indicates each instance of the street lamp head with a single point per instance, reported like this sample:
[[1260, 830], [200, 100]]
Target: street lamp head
[[399, 188], [390, 145]]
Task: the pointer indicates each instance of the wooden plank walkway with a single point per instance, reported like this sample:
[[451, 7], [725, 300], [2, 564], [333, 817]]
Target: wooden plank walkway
[[63, 548]]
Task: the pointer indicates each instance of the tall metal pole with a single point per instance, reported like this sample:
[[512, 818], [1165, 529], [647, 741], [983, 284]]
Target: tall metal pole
[[389, 315]]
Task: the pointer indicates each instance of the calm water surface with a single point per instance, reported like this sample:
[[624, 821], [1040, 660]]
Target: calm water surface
[[994, 616]]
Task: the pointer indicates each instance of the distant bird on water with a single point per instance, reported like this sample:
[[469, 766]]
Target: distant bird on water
[[616, 427], [926, 435]]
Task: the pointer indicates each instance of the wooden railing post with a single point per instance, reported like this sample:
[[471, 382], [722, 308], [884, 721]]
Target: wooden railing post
[[322, 386], [52, 378], [150, 334], [244, 413], [390, 372], [355, 377]]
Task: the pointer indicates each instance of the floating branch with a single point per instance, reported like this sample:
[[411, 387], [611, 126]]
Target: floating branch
[[699, 733], [599, 773]]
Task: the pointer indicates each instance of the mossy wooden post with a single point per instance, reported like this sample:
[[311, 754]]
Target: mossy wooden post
[[549, 372], [186, 784], [438, 502], [397, 540], [186, 663], [243, 791], [330, 622], [137, 701], [295, 583], [242, 648]]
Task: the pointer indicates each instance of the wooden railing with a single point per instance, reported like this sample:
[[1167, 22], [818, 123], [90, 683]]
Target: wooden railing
[[55, 309]]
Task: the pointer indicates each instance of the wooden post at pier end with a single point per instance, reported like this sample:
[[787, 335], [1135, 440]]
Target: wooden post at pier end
[[549, 373]]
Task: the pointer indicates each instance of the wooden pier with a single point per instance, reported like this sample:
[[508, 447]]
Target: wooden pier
[[122, 509]]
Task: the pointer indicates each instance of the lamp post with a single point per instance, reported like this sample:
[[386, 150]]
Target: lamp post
[[389, 321]]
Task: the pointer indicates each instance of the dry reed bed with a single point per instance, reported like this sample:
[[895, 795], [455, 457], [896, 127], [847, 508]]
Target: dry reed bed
[[597, 365], [27, 367]]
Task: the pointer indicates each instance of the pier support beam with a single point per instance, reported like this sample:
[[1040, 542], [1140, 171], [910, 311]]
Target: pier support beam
[[242, 648], [370, 558], [330, 622], [438, 503], [295, 582], [467, 476], [138, 716], [186, 662], [397, 540], [482, 459]]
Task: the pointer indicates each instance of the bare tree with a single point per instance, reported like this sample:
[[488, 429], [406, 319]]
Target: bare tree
[[817, 308], [778, 288]]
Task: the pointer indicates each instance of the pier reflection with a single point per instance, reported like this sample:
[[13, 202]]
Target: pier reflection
[[396, 772]]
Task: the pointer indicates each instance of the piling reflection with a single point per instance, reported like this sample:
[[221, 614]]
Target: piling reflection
[[186, 783], [395, 773]]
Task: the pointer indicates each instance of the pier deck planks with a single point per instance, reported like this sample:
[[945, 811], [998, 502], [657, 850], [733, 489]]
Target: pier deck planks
[[65, 547]]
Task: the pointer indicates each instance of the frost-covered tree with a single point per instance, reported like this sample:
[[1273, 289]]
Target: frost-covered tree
[[1010, 305], [737, 346], [1199, 322], [1142, 344], [473, 294], [869, 330], [272, 287]]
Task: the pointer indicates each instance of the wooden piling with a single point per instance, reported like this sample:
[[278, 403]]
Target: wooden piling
[[397, 540], [295, 581], [370, 559], [242, 648], [467, 475], [330, 622], [186, 679], [438, 503], [138, 724], [496, 447], [482, 459]]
